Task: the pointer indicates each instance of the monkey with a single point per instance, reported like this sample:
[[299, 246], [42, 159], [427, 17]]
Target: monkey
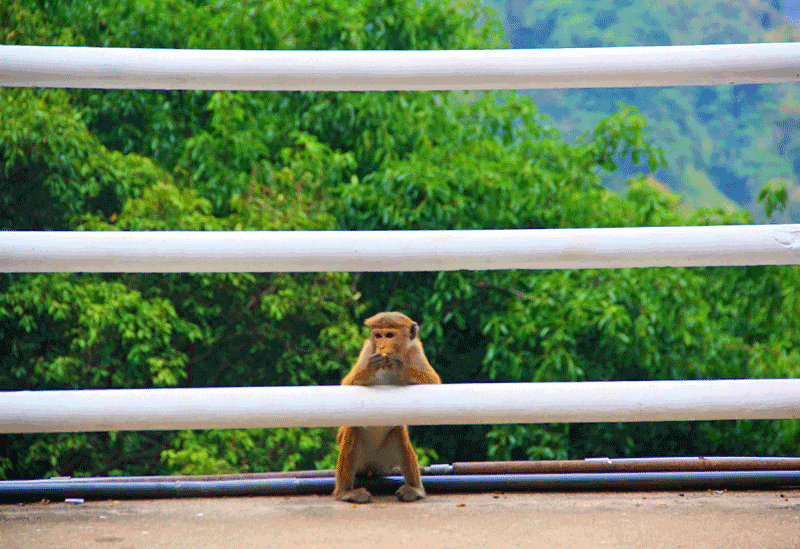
[[392, 355]]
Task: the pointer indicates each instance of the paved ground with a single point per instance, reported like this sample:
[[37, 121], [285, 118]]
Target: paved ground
[[585, 520]]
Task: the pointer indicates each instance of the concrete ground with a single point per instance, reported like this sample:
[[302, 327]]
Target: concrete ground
[[642, 520]]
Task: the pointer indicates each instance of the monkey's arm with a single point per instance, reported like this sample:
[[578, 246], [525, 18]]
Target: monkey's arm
[[361, 374], [420, 371]]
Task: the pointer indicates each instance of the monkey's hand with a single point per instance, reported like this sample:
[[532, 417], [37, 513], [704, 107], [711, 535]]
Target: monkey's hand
[[387, 369], [379, 360], [394, 362], [376, 362]]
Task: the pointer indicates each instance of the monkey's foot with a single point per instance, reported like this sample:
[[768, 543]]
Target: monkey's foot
[[361, 495], [408, 493]]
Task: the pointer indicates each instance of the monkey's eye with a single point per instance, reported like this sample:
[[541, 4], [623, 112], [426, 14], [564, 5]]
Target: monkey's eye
[[378, 336], [389, 334]]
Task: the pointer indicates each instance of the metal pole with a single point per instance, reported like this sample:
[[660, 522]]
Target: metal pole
[[62, 489], [357, 251], [452, 404], [118, 68]]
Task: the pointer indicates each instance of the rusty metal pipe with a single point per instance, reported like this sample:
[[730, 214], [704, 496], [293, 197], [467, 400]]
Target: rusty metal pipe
[[629, 465]]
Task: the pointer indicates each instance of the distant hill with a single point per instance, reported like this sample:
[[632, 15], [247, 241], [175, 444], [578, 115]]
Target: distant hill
[[722, 143]]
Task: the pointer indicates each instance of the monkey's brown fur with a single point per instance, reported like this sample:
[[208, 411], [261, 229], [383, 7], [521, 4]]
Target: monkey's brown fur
[[392, 355]]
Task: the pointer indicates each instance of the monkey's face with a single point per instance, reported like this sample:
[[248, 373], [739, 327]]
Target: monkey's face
[[390, 341]]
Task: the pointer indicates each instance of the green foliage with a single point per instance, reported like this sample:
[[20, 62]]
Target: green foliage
[[774, 197], [243, 450], [521, 442], [157, 160], [54, 169], [86, 332]]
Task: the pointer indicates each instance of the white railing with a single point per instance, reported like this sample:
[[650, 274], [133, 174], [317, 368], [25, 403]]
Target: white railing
[[357, 251], [330, 406], [115, 68], [135, 409]]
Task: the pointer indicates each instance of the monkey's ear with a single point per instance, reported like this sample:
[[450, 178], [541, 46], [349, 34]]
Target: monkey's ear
[[413, 330]]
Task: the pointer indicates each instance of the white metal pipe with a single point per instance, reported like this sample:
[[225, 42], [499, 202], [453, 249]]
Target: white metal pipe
[[357, 251], [457, 404], [117, 68]]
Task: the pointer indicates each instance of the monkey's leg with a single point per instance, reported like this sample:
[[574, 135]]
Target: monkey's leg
[[412, 490], [349, 447]]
